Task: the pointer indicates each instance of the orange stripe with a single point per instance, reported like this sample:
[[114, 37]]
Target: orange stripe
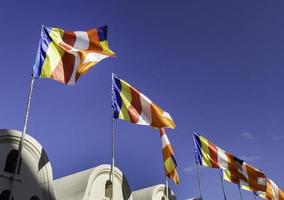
[[253, 175], [167, 152], [94, 40]]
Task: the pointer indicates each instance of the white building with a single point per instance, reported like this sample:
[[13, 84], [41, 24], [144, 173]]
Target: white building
[[34, 180]]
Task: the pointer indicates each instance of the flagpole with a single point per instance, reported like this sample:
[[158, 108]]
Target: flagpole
[[112, 166], [198, 179], [240, 192], [167, 188], [22, 140], [254, 196], [222, 185]]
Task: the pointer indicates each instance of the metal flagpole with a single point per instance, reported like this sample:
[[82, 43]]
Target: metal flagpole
[[254, 196], [167, 188], [222, 185], [240, 192], [112, 167], [22, 140], [198, 179]]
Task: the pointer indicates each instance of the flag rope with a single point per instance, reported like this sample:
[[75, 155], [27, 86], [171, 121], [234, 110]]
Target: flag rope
[[220, 173], [22, 140]]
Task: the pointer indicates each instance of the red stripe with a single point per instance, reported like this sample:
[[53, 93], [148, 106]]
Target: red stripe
[[64, 69], [68, 61], [213, 151], [69, 39], [233, 169], [136, 108]]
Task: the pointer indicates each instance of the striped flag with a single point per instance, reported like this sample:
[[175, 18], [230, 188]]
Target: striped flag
[[64, 56], [170, 163], [209, 155], [131, 105], [255, 179], [234, 169], [273, 192]]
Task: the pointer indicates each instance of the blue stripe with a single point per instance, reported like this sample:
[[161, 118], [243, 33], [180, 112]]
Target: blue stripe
[[174, 159], [197, 149], [44, 42], [116, 98], [102, 32]]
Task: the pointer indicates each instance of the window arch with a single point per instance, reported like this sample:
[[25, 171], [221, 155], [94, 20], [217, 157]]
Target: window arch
[[34, 198], [108, 189], [11, 162], [5, 195]]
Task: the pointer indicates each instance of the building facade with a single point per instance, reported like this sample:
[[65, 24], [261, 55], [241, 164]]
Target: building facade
[[34, 179]]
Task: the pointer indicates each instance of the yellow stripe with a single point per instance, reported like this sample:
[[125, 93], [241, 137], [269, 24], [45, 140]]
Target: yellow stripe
[[169, 164], [105, 47], [53, 56], [56, 35], [126, 100], [205, 152], [227, 175]]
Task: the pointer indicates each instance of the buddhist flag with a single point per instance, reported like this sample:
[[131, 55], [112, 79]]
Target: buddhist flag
[[255, 180], [273, 192], [209, 155], [64, 56], [131, 105], [170, 163]]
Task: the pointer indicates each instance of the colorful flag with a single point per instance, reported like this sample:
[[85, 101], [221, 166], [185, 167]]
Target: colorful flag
[[170, 163], [273, 192], [131, 105], [209, 155], [234, 169], [255, 180], [64, 56]]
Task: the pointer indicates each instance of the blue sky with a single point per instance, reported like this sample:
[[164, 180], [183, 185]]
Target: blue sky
[[215, 66]]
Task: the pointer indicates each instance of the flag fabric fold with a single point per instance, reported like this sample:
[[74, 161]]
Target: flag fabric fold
[[273, 192], [255, 180], [64, 56], [131, 105], [170, 163], [234, 170]]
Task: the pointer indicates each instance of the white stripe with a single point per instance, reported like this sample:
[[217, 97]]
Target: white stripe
[[165, 140], [167, 115], [72, 80], [94, 57], [222, 158], [82, 40], [245, 173], [274, 189], [146, 116]]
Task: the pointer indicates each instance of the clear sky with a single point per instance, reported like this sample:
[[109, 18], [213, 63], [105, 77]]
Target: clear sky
[[215, 66]]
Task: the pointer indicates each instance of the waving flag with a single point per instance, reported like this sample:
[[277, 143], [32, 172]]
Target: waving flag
[[255, 179], [170, 163], [64, 56], [273, 192], [209, 155], [131, 105], [234, 169]]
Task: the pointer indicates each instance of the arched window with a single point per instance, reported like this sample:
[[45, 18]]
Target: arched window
[[163, 198], [108, 189], [34, 198], [11, 162], [5, 195]]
